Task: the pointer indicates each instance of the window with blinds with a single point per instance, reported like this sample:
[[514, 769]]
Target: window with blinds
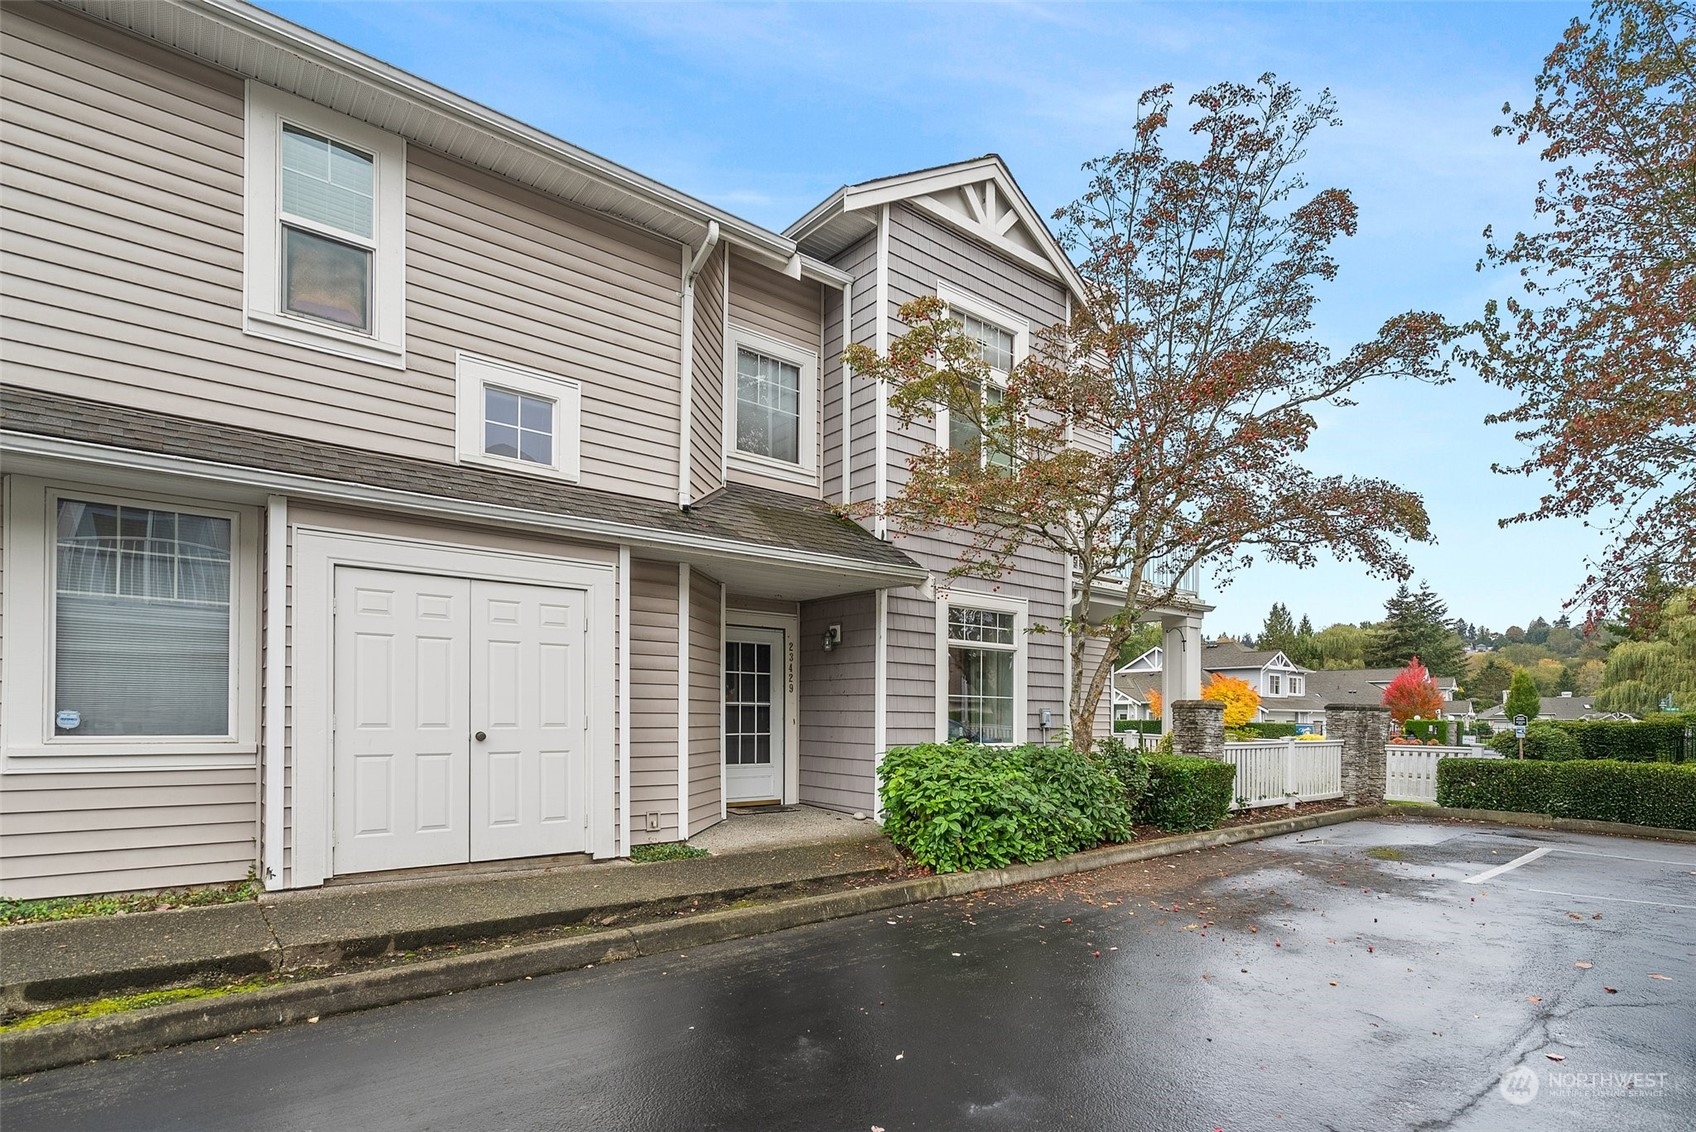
[[141, 617], [328, 212]]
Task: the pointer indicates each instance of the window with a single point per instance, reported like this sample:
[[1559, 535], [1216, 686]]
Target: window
[[1295, 685], [771, 391], [141, 621], [981, 676], [325, 229], [1274, 684], [1002, 340], [517, 419]]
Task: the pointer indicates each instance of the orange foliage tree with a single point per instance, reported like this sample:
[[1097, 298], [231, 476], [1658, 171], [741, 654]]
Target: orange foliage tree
[[1240, 699], [1413, 694], [1155, 703]]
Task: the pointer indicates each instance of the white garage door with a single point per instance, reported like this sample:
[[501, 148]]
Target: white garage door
[[460, 718]]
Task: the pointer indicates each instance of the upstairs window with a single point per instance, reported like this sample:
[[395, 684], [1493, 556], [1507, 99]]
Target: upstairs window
[[1274, 684], [1001, 342], [326, 229], [518, 419], [1295, 685], [771, 403]]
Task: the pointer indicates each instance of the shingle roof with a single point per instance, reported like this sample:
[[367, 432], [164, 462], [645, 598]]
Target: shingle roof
[[1552, 707], [742, 513], [1229, 654]]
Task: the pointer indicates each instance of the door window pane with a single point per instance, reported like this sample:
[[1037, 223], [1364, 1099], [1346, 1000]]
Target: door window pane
[[326, 279], [141, 622], [747, 703], [768, 407]]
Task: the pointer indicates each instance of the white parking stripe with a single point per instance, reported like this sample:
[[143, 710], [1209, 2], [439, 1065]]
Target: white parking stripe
[[1617, 899], [1513, 864], [1623, 857]]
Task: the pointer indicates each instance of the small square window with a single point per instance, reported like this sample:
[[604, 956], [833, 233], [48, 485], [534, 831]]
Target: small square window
[[517, 427], [517, 419]]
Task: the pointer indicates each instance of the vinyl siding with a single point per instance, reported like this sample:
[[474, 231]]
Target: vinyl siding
[[790, 311], [122, 831], [860, 261], [706, 463], [837, 701], [653, 700], [123, 233], [706, 691]]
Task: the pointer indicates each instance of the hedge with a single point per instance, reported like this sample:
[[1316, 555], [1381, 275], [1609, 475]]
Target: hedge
[[1146, 726], [1657, 742], [1270, 730], [1423, 729], [1186, 793], [1544, 741], [957, 806], [1652, 794]]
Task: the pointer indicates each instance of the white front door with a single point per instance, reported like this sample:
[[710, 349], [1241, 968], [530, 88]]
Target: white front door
[[755, 715], [460, 712]]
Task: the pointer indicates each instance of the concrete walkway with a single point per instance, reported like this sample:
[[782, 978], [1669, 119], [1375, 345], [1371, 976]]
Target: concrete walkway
[[73, 959]]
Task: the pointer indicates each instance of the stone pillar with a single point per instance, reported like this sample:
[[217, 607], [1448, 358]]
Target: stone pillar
[[1198, 729], [1180, 662], [1365, 731]]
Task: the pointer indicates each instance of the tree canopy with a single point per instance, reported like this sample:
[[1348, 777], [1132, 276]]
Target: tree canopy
[[1239, 697], [1600, 343], [1640, 673], [1413, 694], [1522, 696], [1162, 427], [1416, 625]]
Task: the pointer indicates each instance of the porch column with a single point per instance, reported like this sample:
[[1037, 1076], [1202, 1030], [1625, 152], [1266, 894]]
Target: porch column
[[1180, 667], [1198, 728], [1365, 731]]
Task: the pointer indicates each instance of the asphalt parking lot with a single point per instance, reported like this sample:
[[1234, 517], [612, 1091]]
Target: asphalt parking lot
[[1375, 975]]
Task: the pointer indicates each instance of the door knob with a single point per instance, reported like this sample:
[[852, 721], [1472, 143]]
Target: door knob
[[480, 736]]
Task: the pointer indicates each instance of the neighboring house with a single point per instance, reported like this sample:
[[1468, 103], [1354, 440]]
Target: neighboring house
[[1565, 706], [1281, 683], [1367, 685], [389, 484]]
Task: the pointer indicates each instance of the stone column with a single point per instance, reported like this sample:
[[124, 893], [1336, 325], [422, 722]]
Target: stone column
[[1364, 730], [1180, 661], [1198, 729]]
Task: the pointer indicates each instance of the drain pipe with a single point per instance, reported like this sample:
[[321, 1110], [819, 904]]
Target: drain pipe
[[691, 268]]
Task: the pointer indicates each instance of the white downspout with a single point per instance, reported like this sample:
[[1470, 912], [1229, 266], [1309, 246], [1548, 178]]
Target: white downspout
[[276, 686], [686, 403], [847, 392]]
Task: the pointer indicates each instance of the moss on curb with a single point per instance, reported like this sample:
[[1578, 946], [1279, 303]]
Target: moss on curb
[[117, 1004]]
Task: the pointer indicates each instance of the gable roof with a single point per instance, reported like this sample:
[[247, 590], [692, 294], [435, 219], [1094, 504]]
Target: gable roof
[[1218, 655], [978, 196], [1559, 707]]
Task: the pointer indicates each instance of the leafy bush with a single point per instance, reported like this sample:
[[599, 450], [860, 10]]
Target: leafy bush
[[1544, 741], [1128, 764], [957, 806], [1270, 730], [1653, 794], [1146, 726], [1483, 730], [666, 851], [1629, 742], [1426, 729], [1186, 793]]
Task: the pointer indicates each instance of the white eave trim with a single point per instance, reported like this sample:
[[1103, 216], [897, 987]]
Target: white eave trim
[[288, 483]]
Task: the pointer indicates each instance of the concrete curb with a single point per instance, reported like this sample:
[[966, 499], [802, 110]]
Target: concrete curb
[[1544, 821], [138, 1031]]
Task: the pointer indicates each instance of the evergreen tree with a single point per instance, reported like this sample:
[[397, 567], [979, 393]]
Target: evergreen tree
[[1306, 651], [1279, 632], [1522, 696], [1416, 624]]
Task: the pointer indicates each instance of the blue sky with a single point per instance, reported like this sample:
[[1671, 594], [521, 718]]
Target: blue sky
[[764, 110]]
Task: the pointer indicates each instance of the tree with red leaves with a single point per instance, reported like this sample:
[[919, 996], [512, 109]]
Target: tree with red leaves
[[1413, 694], [1161, 428], [1601, 344]]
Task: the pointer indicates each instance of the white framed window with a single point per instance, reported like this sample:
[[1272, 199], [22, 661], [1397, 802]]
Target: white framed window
[[325, 258], [517, 419], [1004, 340], [980, 677], [771, 403], [1274, 684], [132, 627], [1295, 685]]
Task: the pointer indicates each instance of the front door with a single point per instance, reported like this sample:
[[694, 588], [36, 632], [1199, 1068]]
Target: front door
[[459, 721], [754, 715]]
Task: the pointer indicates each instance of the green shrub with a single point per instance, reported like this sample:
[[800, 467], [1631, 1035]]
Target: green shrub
[[1625, 741], [1186, 793], [1423, 729], [1269, 730], [1653, 794], [1544, 741], [1482, 729], [1145, 726], [957, 806], [1128, 764], [666, 851]]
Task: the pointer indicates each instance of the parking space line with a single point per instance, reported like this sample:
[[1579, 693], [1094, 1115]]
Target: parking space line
[[1513, 864], [1617, 899], [1621, 857]]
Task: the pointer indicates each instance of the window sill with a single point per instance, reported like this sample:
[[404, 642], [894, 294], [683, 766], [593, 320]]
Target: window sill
[[517, 467], [773, 469], [314, 336]]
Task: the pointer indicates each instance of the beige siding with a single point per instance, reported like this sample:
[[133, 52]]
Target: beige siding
[[706, 694], [706, 455], [653, 700], [837, 701], [123, 831], [790, 311], [122, 233], [860, 261], [734, 602]]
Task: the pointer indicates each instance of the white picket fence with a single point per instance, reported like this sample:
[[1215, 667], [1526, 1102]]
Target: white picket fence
[[1410, 773], [1278, 772]]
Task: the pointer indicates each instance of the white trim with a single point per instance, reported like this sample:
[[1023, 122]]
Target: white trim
[[30, 745], [274, 725], [805, 469], [846, 423], [995, 603], [881, 484], [789, 624], [723, 777], [880, 693], [474, 373], [623, 675], [264, 316], [318, 553], [220, 477], [683, 701], [685, 369]]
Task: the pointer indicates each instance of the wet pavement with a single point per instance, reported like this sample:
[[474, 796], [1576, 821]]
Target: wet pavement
[[1375, 975]]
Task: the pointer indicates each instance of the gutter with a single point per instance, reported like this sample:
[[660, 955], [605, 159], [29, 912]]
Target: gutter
[[342, 491], [686, 402]]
